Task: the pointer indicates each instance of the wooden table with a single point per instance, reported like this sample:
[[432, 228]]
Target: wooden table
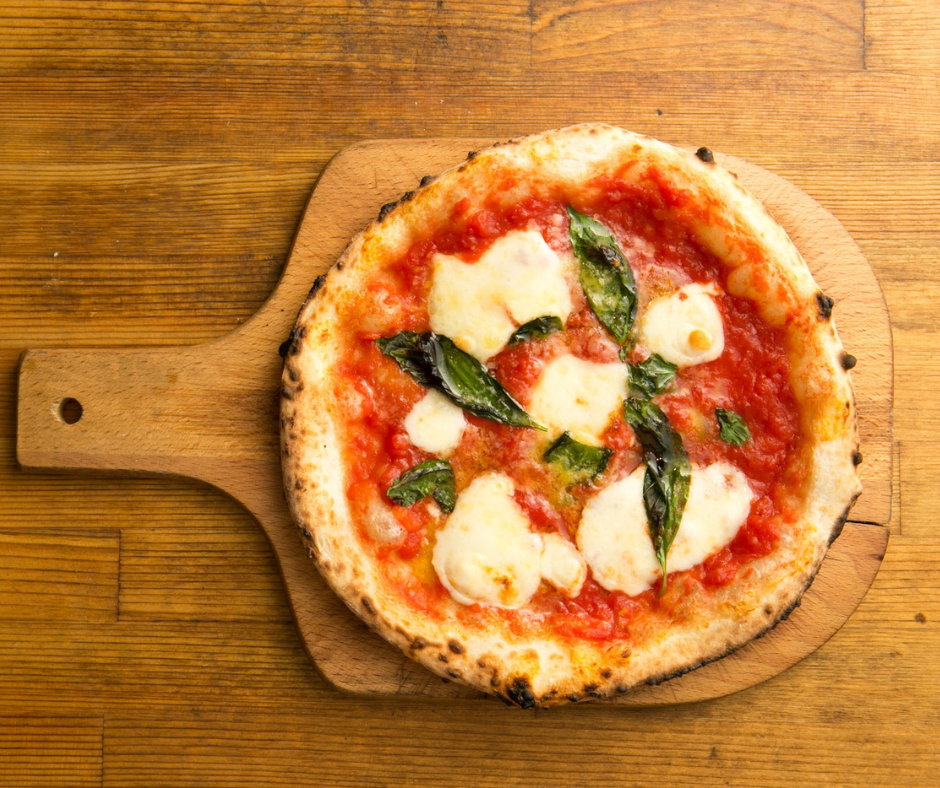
[[154, 162]]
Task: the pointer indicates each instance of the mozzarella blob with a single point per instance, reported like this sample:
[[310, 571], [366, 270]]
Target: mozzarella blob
[[479, 305], [435, 424], [562, 565], [685, 327], [485, 552], [614, 533], [578, 397]]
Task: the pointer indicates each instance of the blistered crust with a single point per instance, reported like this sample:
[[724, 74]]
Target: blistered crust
[[763, 265]]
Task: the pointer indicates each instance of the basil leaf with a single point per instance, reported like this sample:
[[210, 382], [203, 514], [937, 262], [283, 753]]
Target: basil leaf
[[578, 462], [539, 328], [651, 377], [605, 275], [668, 474], [436, 362], [431, 477], [731, 427]]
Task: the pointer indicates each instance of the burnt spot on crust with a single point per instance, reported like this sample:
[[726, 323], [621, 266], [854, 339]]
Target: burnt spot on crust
[[454, 646], [418, 643], [573, 698], [386, 209], [589, 688], [286, 394], [472, 154], [454, 673], [407, 197], [856, 457], [443, 657], [367, 604], [606, 673], [520, 693], [768, 610], [824, 304], [293, 374], [705, 155], [427, 180], [622, 688], [848, 361], [840, 523], [285, 345], [307, 534], [315, 288]]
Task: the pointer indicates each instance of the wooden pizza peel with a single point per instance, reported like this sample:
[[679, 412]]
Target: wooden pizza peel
[[210, 412]]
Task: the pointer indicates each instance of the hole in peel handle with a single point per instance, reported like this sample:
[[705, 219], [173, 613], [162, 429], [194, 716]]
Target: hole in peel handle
[[68, 410], [103, 409]]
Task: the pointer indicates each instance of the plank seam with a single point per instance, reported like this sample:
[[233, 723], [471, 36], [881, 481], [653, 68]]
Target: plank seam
[[864, 38]]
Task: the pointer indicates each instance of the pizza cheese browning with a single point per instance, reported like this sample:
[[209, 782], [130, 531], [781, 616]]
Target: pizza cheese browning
[[570, 419]]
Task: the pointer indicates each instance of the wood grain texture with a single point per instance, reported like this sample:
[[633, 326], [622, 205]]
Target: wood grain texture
[[38, 752], [165, 152], [670, 36], [903, 35], [210, 412], [59, 575]]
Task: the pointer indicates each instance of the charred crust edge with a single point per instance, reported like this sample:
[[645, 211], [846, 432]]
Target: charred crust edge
[[519, 692], [291, 345], [848, 361], [840, 523], [705, 155], [824, 303]]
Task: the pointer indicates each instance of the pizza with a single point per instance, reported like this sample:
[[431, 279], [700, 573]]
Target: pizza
[[569, 418]]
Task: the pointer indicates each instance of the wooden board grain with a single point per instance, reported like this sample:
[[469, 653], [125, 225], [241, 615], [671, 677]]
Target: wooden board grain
[[211, 412]]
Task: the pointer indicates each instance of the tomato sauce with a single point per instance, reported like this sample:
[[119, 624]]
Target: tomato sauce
[[751, 378]]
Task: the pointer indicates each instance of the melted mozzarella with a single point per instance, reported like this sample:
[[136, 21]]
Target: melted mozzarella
[[485, 552], [381, 524], [579, 397], [614, 539], [435, 424], [719, 503], [614, 533], [685, 327], [562, 565], [479, 305]]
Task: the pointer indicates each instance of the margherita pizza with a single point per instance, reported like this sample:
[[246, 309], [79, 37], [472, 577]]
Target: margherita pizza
[[570, 418]]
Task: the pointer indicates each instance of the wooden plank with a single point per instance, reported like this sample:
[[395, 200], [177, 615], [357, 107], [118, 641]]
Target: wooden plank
[[138, 36], [222, 571], [581, 35], [45, 752], [59, 575], [902, 35], [65, 123], [399, 36], [738, 741], [69, 668]]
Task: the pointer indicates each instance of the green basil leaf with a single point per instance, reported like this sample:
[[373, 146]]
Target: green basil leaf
[[578, 462], [431, 477], [731, 427], [436, 362], [651, 377], [539, 328], [668, 474], [605, 275]]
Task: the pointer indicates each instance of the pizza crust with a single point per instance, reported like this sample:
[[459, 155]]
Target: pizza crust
[[545, 671]]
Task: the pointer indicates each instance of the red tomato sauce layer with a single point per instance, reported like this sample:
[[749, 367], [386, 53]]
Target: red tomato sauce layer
[[751, 378]]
